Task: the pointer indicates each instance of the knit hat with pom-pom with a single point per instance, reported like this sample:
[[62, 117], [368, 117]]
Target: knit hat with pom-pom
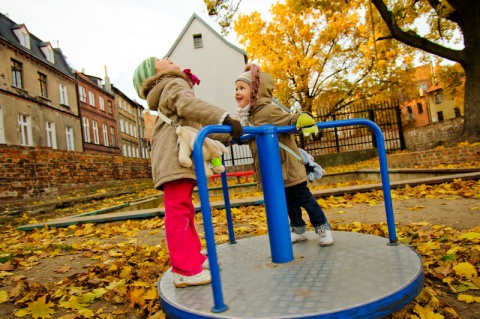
[[143, 71]]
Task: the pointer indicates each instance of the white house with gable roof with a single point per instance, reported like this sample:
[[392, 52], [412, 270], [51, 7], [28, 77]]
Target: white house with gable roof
[[215, 61]]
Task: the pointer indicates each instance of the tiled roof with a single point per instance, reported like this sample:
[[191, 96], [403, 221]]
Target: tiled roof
[[6, 33]]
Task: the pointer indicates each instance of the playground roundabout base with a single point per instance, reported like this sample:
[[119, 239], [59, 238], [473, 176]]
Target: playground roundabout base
[[360, 276]]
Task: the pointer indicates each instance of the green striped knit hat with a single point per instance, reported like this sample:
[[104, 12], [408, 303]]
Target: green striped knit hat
[[145, 70]]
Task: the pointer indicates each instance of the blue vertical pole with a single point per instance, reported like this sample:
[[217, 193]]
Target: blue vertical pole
[[228, 209], [274, 195], [219, 304]]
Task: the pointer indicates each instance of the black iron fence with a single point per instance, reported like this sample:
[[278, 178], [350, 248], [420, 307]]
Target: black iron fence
[[387, 115]]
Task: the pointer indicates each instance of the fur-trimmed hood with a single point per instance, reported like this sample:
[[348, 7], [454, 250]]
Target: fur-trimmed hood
[[152, 81]]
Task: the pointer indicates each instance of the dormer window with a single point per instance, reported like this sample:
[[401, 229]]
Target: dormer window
[[47, 51], [23, 37]]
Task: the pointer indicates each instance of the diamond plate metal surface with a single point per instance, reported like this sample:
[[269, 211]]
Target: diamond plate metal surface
[[358, 270]]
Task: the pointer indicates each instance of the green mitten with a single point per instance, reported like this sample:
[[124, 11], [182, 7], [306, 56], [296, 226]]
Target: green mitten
[[307, 124]]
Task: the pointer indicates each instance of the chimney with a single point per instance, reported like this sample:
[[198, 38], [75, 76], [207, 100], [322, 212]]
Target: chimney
[[108, 85]]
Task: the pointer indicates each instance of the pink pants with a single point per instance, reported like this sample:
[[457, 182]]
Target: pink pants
[[182, 239]]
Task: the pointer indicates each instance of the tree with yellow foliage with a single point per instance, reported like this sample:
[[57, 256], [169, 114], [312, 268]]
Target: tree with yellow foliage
[[447, 22], [322, 59]]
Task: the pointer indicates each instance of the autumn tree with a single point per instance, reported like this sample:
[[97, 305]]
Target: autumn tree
[[322, 59], [447, 21]]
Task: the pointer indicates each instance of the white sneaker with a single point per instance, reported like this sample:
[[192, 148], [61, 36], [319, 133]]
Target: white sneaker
[[297, 237], [199, 279], [325, 235]]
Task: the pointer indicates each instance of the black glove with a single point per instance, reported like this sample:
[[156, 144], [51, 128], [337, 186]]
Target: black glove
[[237, 128]]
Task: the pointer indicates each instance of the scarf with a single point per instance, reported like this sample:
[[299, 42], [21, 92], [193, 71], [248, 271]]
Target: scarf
[[242, 114]]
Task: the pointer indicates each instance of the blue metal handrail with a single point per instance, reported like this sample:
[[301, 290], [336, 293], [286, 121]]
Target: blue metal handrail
[[270, 166]]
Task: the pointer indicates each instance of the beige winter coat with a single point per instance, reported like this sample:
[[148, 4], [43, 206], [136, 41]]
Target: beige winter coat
[[265, 112], [172, 94]]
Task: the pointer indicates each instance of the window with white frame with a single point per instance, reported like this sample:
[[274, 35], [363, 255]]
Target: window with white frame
[[102, 103], [82, 93], [2, 127], [105, 134], [122, 129], [91, 98], [86, 130], [42, 81], [63, 94], [17, 79], [69, 137], [134, 131], [112, 136], [124, 150], [25, 130], [96, 138], [438, 98], [197, 41], [51, 136]]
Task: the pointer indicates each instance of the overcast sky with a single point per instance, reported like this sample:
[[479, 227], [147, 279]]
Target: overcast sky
[[117, 34]]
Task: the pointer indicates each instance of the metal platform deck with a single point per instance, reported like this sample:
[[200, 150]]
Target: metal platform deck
[[360, 276]]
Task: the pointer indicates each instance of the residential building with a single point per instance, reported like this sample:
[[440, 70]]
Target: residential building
[[131, 123], [98, 116], [430, 105], [441, 106], [38, 105], [215, 61]]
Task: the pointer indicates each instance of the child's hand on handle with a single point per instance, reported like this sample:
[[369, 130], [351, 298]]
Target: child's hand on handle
[[307, 124], [237, 128]]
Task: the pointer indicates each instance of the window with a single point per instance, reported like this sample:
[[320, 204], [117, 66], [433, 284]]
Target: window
[[51, 137], [409, 109], [82, 93], [23, 36], [86, 130], [197, 41], [70, 140], [422, 88], [63, 94], [91, 98], [440, 116], [438, 98], [456, 110], [47, 51], [96, 138], [42, 81], [105, 134], [122, 129], [102, 103], [2, 127], [110, 108], [419, 108], [17, 74], [112, 136], [25, 130], [124, 150]]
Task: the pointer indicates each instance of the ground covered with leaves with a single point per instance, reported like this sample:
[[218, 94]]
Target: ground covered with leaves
[[110, 270]]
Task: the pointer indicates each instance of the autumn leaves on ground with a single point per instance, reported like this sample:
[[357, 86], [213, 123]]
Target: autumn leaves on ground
[[110, 270]]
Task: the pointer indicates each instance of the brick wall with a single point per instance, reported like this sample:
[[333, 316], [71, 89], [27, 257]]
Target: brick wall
[[441, 155], [427, 137], [30, 174]]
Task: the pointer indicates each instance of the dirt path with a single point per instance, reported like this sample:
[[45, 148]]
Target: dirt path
[[460, 213]]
